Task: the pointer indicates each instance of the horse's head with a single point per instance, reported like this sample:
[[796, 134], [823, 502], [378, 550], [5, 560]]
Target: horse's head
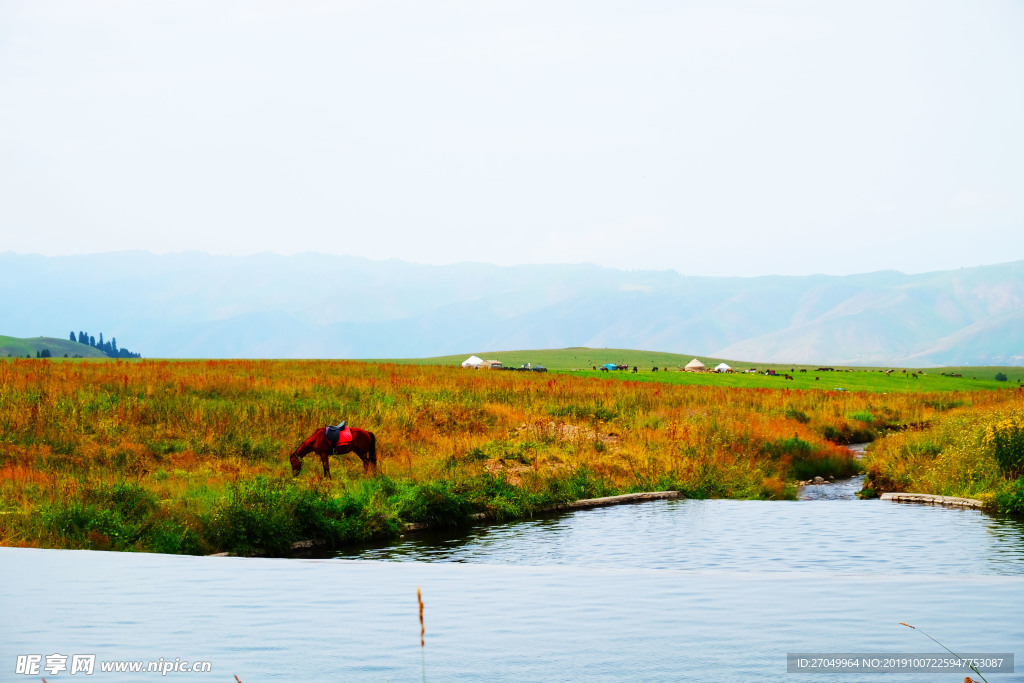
[[296, 464]]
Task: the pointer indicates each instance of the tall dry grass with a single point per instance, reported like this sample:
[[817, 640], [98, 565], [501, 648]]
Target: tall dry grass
[[970, 451], [193, 436]]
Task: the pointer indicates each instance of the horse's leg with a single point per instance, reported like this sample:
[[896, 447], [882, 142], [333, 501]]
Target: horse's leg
[[327, 465]]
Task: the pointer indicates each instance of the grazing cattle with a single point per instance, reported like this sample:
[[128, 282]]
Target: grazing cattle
[[654, 369], [803, 369], [634, 368]]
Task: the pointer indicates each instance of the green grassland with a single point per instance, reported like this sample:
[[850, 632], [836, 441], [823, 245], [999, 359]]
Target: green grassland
[[581, 361], [20, 348]]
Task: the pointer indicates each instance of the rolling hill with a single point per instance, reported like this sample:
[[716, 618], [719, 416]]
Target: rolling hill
[[21, 348]]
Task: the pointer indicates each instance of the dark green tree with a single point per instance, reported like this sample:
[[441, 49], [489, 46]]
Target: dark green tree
[[1001, 377], [73, 336]]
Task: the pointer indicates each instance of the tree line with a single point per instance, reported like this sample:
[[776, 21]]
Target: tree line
[[108, 347]]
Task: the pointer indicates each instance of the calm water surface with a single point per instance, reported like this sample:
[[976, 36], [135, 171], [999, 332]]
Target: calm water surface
[[861, 537], [669, 590]]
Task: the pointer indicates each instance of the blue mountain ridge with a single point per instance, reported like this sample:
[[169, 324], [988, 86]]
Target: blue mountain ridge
[[311, 305]]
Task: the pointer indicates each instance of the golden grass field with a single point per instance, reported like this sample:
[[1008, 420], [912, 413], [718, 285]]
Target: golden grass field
[[191, 456]]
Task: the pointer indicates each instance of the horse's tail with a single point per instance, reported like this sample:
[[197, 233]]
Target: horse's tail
[[372, 452]]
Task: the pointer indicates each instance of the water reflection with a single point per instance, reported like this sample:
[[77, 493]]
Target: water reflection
[[830, 536]]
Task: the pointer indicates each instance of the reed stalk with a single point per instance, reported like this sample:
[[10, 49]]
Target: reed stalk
[[973, 668]]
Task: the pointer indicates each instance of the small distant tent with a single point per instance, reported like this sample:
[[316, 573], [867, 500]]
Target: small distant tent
[[722, 367], [695, 366], [472, 362], [492, 364]]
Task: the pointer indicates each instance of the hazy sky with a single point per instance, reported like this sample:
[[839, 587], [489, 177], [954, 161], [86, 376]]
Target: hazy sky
[[713, 138]]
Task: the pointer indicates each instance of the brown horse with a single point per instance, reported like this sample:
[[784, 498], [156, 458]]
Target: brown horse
[[351, 440]]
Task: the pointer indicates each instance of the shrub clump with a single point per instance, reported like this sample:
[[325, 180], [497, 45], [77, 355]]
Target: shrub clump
[[793, 447], [265, 516], [800, 459], [798, 415], [583, 483], [122, 516], [843, 434], [435, 503], [1010, 499], [1006, 438]]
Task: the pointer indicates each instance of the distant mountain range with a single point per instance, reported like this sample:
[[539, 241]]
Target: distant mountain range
[[318, 306]]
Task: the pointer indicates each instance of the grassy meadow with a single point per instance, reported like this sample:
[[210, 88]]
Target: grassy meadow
[[191, 456], [581, 361]]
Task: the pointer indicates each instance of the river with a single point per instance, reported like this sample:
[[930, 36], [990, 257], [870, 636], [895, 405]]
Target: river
[[662, 591]]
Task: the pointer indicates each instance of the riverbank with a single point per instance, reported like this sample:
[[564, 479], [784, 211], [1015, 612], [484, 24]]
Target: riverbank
[[190, 456], [967, 454], [301, 547]]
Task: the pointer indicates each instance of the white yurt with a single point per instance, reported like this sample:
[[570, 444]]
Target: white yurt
[[695, 366], [472, 362], [722, 367]]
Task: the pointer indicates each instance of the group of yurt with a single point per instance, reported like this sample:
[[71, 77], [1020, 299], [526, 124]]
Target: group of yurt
[[478, 363], [696, 366]]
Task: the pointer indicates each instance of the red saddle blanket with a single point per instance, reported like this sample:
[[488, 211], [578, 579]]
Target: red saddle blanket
[[338, 437]]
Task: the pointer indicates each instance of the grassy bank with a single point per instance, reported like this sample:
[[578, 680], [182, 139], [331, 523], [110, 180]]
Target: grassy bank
[[190, 456], [971, 454]]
